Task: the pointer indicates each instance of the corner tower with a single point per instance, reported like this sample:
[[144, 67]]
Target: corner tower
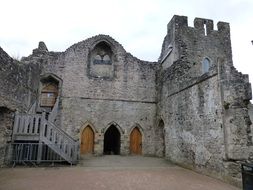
[[203, 99]]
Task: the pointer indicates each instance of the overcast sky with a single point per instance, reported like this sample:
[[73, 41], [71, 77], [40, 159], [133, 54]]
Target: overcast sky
[[139, 25]]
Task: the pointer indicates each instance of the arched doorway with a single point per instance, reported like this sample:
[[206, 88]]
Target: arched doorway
[[87, 141], [112, 141], [136, 141], [160, 139]]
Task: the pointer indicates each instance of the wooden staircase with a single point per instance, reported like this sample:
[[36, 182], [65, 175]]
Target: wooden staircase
[[36, 128]]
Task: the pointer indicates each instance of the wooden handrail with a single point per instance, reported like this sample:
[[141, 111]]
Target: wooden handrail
[[60, 131], [50, 134], [58, 140], [27, 124], [54, 112]]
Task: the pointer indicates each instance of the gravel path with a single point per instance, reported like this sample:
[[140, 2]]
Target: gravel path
[[109, 173]]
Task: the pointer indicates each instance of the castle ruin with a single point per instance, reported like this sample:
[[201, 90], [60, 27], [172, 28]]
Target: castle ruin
[[191, 107]]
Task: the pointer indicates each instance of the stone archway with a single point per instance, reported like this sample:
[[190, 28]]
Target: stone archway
[[112, 138]]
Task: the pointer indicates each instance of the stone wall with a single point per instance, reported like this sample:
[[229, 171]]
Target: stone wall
[[18, 84], [251, 114], [100, 114], [127, 98], [6, 122], [203, 130], [193, 129], [250, 107]]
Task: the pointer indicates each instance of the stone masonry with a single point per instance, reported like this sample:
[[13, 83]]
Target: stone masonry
[[191, 107], [18, 84]]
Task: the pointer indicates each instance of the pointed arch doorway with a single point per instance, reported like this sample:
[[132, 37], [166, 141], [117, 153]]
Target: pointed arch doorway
[[112, 141], [136, 142], [87, 141]]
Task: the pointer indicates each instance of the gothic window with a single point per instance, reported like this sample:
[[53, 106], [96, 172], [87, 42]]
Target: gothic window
[[49, 94], [98, 59], [107, 59], [205, 65], [101, 61], [102, 54]]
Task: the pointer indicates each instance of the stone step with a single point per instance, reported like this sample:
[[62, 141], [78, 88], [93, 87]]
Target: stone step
[[123, 161]]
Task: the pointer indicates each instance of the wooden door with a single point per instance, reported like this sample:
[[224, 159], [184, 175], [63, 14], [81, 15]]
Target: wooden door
[[135, 141], [87, 141]]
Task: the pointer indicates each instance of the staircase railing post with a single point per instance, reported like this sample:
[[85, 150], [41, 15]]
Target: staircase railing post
[[42, 130]]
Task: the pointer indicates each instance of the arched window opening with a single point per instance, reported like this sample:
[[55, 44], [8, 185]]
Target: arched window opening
[[102, 54], [205, 65]]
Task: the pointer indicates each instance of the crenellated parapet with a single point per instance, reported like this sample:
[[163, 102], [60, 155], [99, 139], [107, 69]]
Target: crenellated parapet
[[200, 24], [195, 43]]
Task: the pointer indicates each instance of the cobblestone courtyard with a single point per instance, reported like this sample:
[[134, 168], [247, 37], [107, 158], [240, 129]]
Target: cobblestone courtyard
[[109, 173]]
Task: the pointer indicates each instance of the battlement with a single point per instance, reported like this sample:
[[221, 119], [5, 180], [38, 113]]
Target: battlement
[[181, 41], [203, 25]]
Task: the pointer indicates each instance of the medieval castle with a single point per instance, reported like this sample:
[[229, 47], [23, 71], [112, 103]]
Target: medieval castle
[[191, 107]]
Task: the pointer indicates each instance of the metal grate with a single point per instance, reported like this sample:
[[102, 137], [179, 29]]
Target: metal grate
[[28, 152]]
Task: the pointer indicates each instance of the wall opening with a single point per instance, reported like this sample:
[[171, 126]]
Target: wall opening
[[205, 29], [101, 60], [112, 141], [102, 54], [205, 65]]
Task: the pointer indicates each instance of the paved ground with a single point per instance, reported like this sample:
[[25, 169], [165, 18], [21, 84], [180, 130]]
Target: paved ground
[[109, 173]]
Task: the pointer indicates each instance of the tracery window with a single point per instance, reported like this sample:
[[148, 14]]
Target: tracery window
[[102, 59], [102, 54]]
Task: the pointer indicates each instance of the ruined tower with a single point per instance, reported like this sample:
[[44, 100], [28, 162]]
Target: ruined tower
[[203, 99]]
